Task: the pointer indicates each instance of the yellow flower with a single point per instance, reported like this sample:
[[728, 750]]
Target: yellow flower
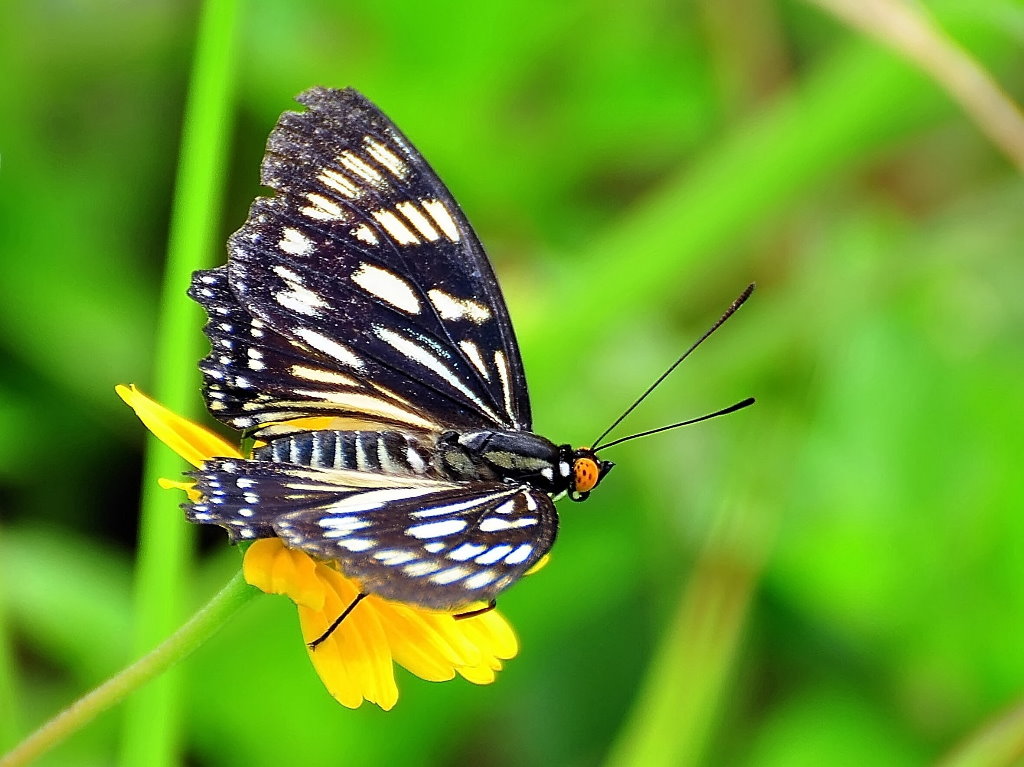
[[356, 662]]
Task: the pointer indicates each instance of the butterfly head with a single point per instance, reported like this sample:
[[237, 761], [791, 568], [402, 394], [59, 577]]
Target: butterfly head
[[587, 472]]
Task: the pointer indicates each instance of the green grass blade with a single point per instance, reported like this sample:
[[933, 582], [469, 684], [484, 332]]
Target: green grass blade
[[10, 722], [805, 138], [206, 622], [673, 718], [152, 717]]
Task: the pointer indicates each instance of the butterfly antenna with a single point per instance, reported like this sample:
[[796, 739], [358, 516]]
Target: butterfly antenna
[[728, 313], [724, 411]]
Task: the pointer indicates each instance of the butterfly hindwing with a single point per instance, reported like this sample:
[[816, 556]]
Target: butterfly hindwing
[[438, 544], [364, 263]]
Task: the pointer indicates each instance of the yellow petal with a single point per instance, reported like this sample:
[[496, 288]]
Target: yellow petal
[[191, 441], [492, 631], [419, 642], [496, 640], [189, 488], [541, 563], [477, 674], [356, 661], [275, 569]]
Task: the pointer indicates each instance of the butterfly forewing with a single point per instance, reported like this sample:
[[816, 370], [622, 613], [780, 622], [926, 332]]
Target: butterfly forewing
[[364, 263], [437, 544]]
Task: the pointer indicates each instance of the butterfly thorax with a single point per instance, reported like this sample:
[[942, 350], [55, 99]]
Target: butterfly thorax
[[512, 456]]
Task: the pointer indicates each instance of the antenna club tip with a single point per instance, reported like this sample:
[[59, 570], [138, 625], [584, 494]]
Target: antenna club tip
[[742, 404], [747, 291]]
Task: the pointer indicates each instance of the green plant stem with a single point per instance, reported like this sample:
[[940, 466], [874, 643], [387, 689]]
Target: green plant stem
[[677, 705], [152, 718], [910, 31], [198, 629], [11, 720]]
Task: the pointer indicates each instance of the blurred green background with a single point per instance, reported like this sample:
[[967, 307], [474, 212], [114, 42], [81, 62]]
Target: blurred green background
[[834, 576]]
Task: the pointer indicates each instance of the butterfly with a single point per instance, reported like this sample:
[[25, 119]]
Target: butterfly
[[358, 333]]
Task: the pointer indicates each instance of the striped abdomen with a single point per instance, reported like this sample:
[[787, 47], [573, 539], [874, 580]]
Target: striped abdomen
[[384, 452]]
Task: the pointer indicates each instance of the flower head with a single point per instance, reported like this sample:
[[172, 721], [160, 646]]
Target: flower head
[[356, 661]]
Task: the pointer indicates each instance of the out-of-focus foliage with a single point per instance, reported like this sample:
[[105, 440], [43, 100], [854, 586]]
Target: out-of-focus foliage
[[832, 577]]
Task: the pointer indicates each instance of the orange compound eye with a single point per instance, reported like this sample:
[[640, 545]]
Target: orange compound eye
[[585, 473]]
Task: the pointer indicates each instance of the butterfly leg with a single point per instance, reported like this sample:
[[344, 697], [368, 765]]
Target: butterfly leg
[[337, 622], [480, 611]]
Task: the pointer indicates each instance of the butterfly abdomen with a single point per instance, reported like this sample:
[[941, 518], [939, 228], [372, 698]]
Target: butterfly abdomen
[[380, 452]]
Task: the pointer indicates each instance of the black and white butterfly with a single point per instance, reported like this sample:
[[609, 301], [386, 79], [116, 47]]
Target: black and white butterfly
[[359, 334]]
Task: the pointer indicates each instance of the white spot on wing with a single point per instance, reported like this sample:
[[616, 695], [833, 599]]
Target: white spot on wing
[[322, 376], [481, 579], [419, 569], [367, 404], [322, 209], [393, 225], [496, 524], [466, 551], [472, 351], [418, 220], [437, 529], [339, 183], [386, 157], [450, 575], [355, 165], [357, 544], [443, 218], [506, 379], [343, 525], [451, 508], [393, 557], [330, 347], [375, 499], [295, 242], [506, 508], [520, 555], [387, 286], [452, 308], [366, 234], [297, 297], [493, 554]]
